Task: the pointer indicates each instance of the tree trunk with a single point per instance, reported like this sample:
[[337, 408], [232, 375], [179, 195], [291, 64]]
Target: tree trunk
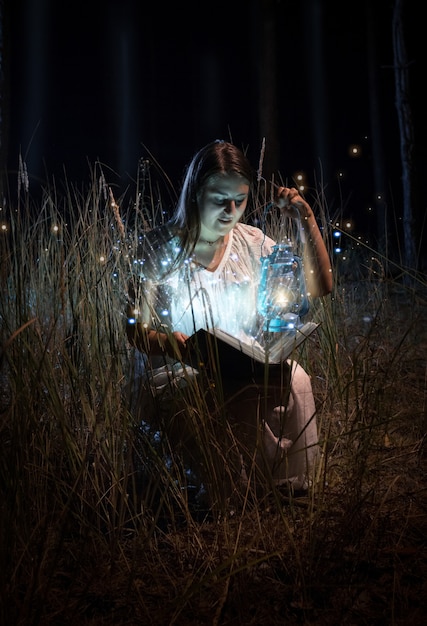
[[381, 199], [403, 107], [4, 97], [268, 88]]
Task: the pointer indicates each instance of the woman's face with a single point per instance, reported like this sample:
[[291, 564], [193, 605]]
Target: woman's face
[[222, 202]]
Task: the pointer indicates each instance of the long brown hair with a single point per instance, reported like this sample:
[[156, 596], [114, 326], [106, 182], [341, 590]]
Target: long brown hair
[[217, 157]]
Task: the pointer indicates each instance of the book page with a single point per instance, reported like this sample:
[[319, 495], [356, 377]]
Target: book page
[[279, 349], [282, 347]]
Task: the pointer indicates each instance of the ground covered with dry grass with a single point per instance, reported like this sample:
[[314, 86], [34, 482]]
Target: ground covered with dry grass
[[87, 537], [351, 551]]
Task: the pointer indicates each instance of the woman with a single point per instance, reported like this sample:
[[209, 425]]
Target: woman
[[202, 270]]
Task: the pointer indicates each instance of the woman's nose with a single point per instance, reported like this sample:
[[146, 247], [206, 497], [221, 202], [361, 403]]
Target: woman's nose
[[230, 206]]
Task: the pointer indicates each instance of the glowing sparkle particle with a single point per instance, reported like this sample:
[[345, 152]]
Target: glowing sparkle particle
[[300, 179], [354, 150]]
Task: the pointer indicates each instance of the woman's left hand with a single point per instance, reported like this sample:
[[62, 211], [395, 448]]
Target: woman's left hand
[[292, 204]]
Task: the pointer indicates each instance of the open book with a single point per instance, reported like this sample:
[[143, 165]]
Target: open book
[[227, 355]]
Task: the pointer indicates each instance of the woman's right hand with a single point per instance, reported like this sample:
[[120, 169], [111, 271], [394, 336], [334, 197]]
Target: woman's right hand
[[155, 343], [180, 338]]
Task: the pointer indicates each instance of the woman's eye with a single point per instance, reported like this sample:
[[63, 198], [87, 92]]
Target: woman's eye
[[223, 201]]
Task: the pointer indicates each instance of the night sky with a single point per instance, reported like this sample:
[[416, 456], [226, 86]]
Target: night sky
[[110, 80]]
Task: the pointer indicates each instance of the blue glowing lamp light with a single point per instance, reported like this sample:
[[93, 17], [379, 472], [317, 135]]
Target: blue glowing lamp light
[[282, 293]]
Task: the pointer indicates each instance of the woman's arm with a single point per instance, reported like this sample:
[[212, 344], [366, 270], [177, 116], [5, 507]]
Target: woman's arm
[[140, 312], [153, 342], [317, 264]]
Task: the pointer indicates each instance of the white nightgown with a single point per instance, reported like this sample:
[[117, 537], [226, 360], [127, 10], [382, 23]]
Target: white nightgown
[[193, 297]]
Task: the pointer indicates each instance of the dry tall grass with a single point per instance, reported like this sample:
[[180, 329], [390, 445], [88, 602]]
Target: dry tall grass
[[99, 524]]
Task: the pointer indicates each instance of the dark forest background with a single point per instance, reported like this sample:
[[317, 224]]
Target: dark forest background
[[112, 81]]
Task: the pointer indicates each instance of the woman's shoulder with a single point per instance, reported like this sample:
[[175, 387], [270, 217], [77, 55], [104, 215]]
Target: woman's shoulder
[[156, 248], [248, 232], [253, 236], [159, 237]]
